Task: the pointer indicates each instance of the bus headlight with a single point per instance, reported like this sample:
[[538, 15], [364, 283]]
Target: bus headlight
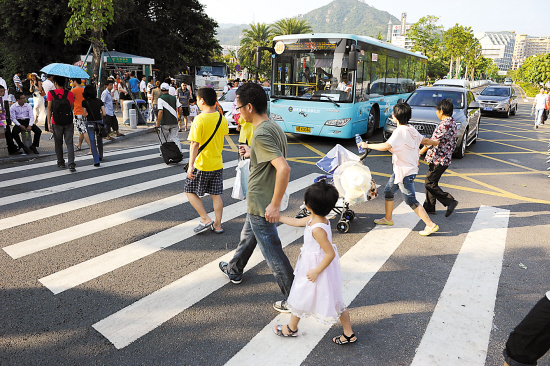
[[337, 122], [276, 117]]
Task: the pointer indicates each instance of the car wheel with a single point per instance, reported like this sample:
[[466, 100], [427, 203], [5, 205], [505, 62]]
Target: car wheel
[[507, 113], [477, 131], [514, 110], [461, 151], [370, 125]]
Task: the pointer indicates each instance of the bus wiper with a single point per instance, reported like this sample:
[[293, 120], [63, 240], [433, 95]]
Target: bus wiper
[[332, 100]]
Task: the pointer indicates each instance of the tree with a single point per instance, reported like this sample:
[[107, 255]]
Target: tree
[[536, 69], [88, 21], [31, 36], [291, 26], [426, 35], [437, 68], [456, 41], [379, 36], [259, 35]]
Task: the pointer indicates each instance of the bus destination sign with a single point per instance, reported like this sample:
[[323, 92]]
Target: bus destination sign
[[311, 46]]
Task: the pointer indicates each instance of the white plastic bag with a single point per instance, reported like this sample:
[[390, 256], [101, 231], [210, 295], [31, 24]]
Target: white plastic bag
[[240, 186]]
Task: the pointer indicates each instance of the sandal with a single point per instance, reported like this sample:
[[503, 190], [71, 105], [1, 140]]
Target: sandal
[[202, 226], [279, 331], [383, 221], [76, 148], [429, 230], [339, 341]]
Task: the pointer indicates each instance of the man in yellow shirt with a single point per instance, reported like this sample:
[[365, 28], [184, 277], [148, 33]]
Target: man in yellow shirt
[[204, 174]]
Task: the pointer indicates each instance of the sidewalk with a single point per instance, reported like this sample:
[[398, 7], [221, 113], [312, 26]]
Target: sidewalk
[[47, 146]]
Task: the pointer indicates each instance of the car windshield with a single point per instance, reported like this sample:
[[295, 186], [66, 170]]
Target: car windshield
[[430, 98], [496, 92], [229, 96]]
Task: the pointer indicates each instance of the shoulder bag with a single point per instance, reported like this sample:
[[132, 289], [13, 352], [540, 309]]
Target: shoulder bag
[[186, 166]]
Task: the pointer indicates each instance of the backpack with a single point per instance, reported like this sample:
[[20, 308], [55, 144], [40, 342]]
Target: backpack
[[61, 107]]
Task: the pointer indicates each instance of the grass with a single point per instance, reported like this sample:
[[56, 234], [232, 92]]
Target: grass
[[530, 89]]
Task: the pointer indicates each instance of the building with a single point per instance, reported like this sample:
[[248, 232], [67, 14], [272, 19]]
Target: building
[[526, 46], [397, 34], [498, 46]]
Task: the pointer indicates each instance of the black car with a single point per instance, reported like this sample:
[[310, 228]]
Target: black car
[[501, 99], [423, 102]]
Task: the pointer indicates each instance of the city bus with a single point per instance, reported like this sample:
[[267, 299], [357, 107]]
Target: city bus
[[316, 89], [214, 74]]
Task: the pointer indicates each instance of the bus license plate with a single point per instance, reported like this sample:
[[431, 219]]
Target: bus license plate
[[489, 109], [303, 129]]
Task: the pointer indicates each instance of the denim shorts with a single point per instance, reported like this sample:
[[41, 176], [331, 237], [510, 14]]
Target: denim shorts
[[406, 187]]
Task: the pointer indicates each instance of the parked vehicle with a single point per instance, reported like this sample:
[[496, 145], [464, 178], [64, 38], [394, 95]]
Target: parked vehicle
[[226, 101], [500, 99], [423, 102], [453, 83]]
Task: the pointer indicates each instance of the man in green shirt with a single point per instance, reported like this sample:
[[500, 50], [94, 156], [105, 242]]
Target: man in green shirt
[[168, 118], [269, 175]]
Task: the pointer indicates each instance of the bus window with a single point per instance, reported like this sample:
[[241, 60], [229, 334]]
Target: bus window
[[392, 83]]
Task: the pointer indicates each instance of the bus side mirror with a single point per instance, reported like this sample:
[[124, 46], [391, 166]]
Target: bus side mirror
[[352, 61], [258, 61]]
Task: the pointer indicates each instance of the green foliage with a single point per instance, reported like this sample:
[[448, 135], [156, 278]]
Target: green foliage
[[379, 36], [89, 16], [457, 41], [529, 89], [427, 35], [259, 35], [437, 68], [291, 26], [31, 36], [536, 69]]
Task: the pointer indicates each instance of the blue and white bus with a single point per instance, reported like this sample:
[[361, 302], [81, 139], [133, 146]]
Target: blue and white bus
[[316, 90]]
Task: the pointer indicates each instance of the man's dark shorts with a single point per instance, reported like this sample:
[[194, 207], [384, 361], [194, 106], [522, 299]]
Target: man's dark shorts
[[205, 182], [185, 111]]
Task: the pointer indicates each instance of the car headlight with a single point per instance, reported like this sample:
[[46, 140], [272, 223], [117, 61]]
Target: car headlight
[[503, 102], [276, 117], [391, 122], [337, 122]]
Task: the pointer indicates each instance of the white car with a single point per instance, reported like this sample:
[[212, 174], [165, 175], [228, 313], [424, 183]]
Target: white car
[[226, 101]]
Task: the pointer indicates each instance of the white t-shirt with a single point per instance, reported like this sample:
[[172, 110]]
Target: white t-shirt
[[405, 142], [47, 86], [193, 110], [540, 99], [143, 86], [172, 91]]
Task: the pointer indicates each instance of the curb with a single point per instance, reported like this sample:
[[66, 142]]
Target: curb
[[27, 158]]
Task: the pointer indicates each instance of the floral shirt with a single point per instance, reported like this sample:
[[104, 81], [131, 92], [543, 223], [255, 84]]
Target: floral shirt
[[446, 133]]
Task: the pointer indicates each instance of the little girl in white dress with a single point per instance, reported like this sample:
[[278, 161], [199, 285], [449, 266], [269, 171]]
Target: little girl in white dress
[[317, 287]]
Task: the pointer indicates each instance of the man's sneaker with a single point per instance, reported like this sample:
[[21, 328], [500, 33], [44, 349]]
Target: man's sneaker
[[236, 278], [26, 150], [72, 168], [33, 149], [280, 306]]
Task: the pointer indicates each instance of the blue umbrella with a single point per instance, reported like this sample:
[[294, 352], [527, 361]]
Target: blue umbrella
[[70, 71]]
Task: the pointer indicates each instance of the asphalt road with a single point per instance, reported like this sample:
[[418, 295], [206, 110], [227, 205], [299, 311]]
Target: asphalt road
[[99, 267]]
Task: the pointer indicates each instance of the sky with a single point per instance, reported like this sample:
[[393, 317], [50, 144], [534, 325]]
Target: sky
[[524, 17]]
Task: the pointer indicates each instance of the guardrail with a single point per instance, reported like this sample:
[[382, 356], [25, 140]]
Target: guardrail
[[478, 83]]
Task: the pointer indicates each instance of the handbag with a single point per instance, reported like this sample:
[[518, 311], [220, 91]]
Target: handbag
[[241, 180], [186, 166]]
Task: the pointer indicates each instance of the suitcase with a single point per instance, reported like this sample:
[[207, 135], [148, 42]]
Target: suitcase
[[169, 150]]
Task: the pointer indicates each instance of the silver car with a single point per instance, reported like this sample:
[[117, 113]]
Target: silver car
[[500, 99], [424, 118]]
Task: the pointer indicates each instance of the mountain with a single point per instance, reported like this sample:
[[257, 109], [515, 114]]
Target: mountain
[[350, 16], [339, 16]]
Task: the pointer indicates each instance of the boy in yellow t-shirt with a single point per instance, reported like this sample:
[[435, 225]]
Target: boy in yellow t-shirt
[[246, 131], [204, 174]]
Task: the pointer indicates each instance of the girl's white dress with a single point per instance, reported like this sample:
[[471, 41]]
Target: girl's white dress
[[321, 299]]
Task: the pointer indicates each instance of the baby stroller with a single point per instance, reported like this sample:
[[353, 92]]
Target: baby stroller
[[352, 179]]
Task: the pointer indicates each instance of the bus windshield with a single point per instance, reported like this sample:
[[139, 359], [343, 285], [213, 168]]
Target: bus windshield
[[314, 70], [211, 71]]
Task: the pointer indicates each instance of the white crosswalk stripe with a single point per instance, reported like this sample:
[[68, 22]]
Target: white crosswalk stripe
[[458, 331]]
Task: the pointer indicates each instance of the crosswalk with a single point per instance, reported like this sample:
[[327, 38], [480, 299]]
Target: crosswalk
[[457, 333]]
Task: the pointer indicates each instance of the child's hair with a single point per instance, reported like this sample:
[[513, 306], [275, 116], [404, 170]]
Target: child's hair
[[321, 198], [191, 101], [402, 111], [59, 80], [445, 106], [209, 96]]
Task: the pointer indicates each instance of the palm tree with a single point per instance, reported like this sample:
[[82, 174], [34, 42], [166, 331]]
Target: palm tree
[[291, 26], [259, 35]]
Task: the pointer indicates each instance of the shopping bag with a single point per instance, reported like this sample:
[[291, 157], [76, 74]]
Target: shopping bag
[[241, 180]]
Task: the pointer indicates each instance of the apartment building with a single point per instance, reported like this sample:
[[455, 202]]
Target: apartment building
[[498, 46], [526, 46]]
